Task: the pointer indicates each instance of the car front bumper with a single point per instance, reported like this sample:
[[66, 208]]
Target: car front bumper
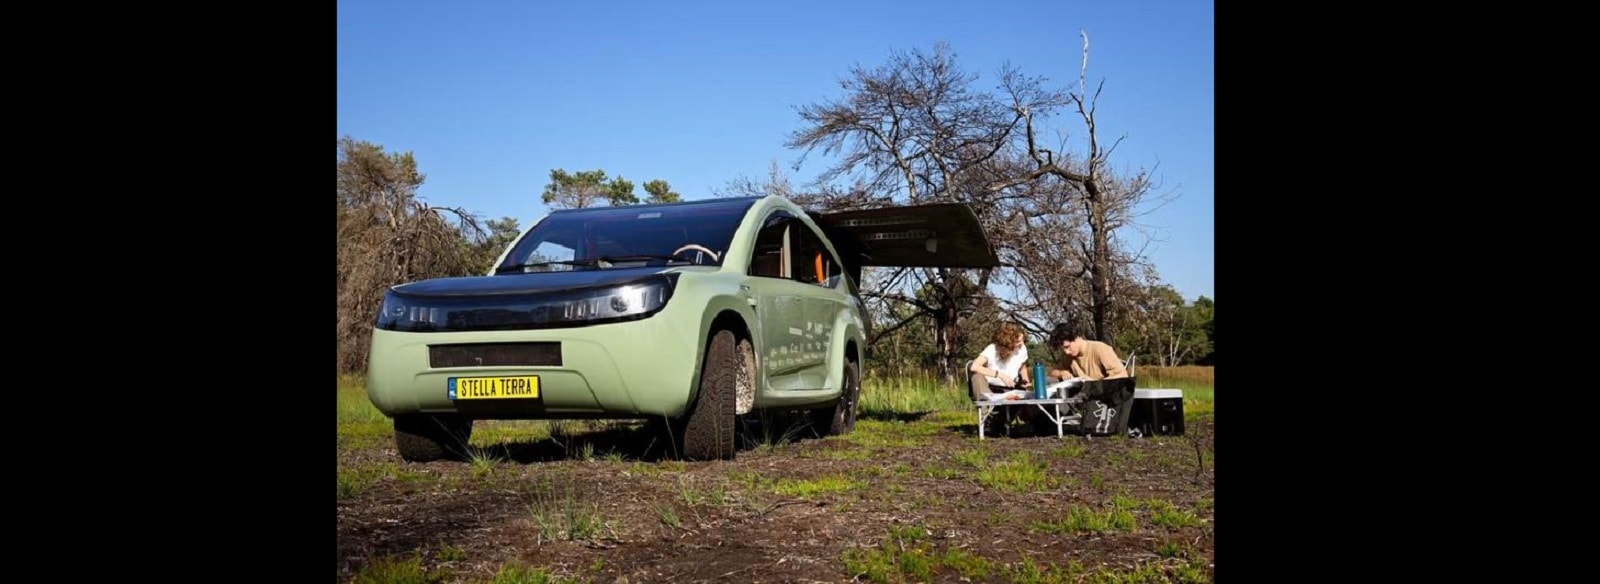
[[633, 369]]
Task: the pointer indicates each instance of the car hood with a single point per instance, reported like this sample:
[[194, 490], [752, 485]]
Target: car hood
[[529, 283]]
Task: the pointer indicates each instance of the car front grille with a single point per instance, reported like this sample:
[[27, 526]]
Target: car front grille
[[494, 354]]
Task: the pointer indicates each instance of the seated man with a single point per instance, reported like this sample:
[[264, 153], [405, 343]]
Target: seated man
[[1091, 361], [1082, 358]]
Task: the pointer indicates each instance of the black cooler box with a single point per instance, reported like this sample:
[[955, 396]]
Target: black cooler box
[[1157, 412]]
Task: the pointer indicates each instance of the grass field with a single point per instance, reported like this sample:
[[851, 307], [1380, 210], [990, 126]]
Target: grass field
[[910, 496]]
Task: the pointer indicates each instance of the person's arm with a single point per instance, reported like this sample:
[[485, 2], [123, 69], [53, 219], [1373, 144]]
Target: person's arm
[[1112, 364], [1025, 372], [1059, 374], [980, 366], [986, 364]]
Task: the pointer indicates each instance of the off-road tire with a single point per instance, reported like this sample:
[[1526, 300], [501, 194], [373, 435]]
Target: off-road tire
[[841, 418], [708, 432], [745, 392], [429, 437]]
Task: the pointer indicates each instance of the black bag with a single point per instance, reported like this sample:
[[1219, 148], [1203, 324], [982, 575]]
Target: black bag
[[1107, 405]]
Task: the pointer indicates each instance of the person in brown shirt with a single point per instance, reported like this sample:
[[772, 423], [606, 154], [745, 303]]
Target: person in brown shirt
[[1081, 357]]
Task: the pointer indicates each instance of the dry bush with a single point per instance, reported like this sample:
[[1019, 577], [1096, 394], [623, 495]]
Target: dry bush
[[386, 236]]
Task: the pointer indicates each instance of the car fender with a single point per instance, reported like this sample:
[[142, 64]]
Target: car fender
[[718, 303], [847, 327]]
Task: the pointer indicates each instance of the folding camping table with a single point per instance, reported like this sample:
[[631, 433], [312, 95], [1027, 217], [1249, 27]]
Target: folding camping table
[[1052, 408]]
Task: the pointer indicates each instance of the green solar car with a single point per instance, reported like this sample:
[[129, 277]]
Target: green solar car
[[689, 313]]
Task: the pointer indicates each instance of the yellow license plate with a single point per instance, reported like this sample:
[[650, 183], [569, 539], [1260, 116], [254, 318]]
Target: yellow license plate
[[494, 387]]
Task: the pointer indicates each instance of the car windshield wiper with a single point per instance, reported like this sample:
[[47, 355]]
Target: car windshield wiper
[[640, 256], [537, 264], [604, 261]]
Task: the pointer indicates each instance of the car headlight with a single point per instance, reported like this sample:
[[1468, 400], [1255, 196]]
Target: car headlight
[[632, 301]]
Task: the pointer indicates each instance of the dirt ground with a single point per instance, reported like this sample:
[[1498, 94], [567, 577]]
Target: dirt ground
[[805, 510]]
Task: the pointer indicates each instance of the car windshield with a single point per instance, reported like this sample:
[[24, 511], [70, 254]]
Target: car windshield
[[697, 232]]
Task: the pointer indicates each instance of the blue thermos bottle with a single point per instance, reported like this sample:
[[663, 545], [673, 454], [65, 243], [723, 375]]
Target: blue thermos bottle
[[1038, 380]]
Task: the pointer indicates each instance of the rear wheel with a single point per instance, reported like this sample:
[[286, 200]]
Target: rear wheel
[[841, 418], [427, 437], [708, 432]]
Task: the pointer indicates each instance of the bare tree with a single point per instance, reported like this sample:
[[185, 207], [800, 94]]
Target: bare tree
[[777, 183], [915, 131], [387, 236], [1108, 201]]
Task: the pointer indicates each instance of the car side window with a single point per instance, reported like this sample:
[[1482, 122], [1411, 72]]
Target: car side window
[[788, 248], [811, 262], [768, 259]]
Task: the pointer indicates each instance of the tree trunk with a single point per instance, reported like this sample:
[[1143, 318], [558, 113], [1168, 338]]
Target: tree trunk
[[944, 339], [1099, 267]]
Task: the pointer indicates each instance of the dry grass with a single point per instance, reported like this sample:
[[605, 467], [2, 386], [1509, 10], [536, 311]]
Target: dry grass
[[1186, 375]]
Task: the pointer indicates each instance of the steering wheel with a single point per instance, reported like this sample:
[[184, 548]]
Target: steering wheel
[[696, 247]]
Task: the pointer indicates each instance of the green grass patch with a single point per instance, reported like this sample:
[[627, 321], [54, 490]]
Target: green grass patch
[[888, 435], [392, 570], [668, 516], [559, 514], [904, 555], [847, 453], [809, 488], [518, 574], [1165, 514], [1124, 457], [970, 565], [1032, 573], [952, 418], [770, 430], [358, 479], [483, 461], [998, 519], [693, 495], [1084, 520], [360, 424], [916, 394], [751, 480], [1019, 472], [486, 433], [1072, 449], [1073, 572], [1171, 549], [352, 483], [657, 469], [974, 458], [353, 404], [450, 553]]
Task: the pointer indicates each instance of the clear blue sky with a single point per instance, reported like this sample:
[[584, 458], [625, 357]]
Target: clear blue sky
[[490, 95]]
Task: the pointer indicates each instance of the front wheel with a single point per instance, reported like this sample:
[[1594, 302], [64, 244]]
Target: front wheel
[[708, 432], [427, 437]]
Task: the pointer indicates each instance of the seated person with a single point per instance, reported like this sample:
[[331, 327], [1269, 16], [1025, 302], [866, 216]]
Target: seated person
[[1082, 358], [999, 367]]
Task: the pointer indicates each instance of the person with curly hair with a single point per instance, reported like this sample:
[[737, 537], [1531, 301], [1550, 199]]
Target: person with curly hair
[[1001, 366]]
